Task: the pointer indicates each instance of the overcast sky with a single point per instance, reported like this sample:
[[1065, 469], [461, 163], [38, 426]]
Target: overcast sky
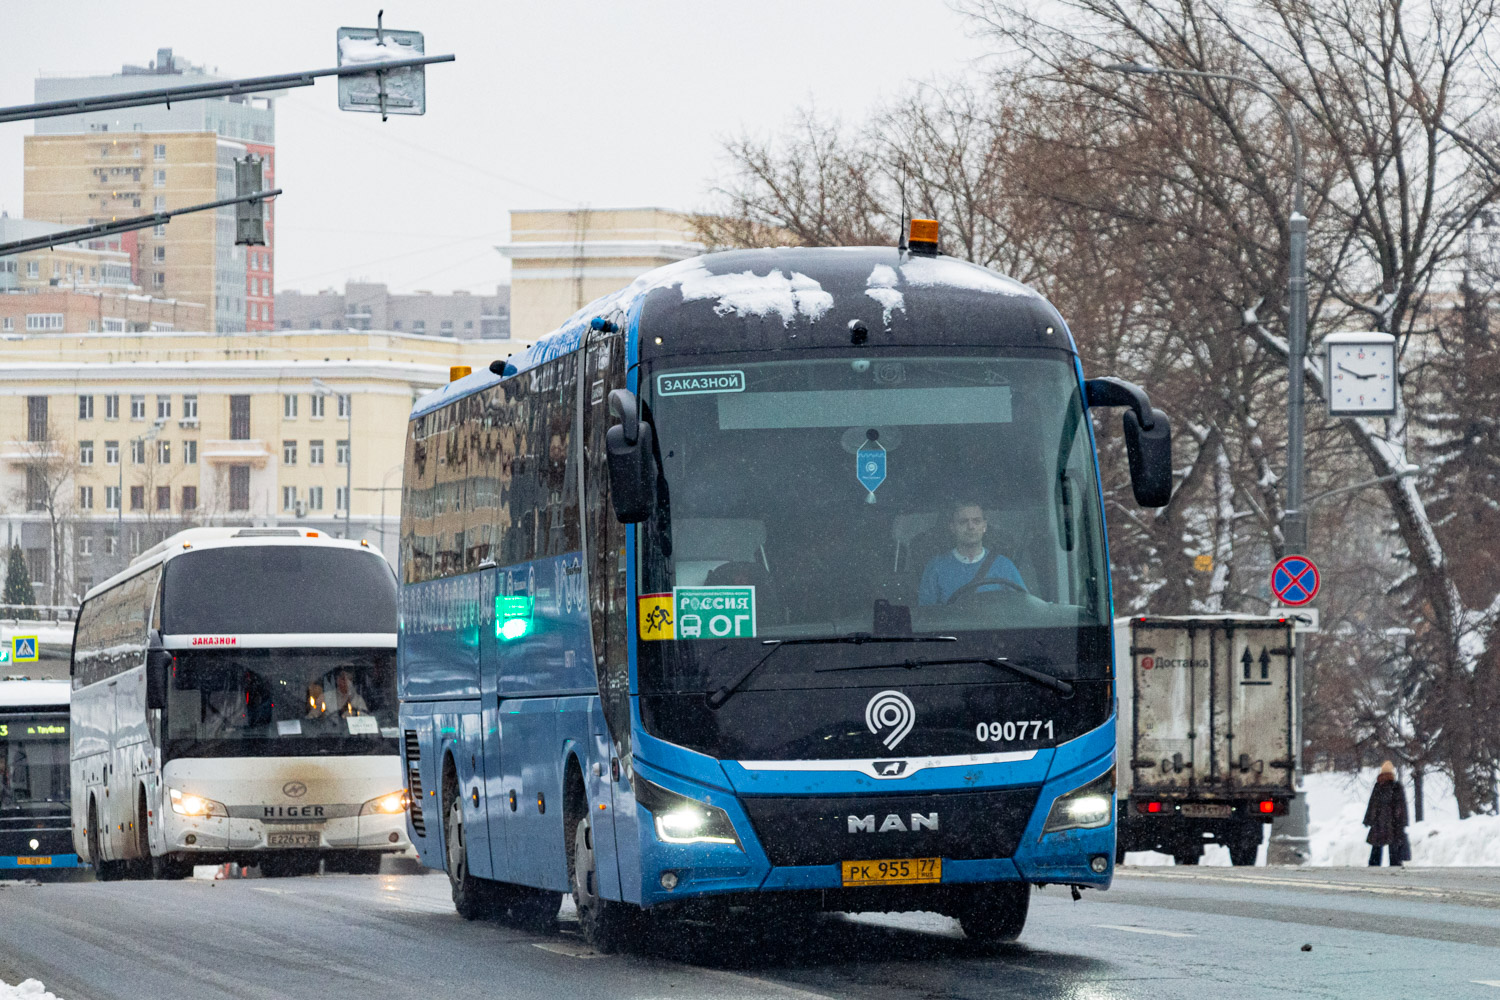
[[550, 105]]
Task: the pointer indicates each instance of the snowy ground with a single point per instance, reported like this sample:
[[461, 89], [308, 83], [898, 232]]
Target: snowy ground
[[28, 989], [1336, 807]]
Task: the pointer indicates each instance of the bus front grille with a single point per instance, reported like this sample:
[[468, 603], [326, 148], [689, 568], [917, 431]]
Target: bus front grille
[[414, 782]]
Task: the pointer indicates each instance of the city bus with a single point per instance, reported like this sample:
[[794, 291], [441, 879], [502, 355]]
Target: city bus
[[234, 700], [776, 580], [34, 831]]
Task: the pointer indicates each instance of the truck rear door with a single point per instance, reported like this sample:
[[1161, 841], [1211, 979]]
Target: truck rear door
[[1172, 701], [1252, 734]]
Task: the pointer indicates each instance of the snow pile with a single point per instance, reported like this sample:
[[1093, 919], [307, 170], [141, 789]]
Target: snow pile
[[28, 989], [932, 271], [1336, 811], [882, 288], [749, 294], [355, 51]]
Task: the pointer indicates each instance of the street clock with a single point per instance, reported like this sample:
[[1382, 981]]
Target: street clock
[[1360, 374]]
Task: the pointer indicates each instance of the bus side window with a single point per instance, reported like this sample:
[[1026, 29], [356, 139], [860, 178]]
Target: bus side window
[[605, 368]]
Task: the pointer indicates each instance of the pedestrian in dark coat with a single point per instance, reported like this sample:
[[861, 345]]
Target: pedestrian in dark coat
[[1386, 817]]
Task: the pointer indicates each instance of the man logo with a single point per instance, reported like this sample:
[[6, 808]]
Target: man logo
[[890, 710], [890, 768], [294, 789], [893, 823]]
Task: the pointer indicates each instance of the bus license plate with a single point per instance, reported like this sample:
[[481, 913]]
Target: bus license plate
[[1207, 810], [44, 860], [902, 871], [292, 840]]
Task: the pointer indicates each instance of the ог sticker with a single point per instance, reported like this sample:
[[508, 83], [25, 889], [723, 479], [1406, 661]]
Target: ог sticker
[[696, 383], [714, 612]]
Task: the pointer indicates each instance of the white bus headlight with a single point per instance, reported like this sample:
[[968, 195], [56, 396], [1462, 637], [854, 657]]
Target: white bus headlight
[[681, 820], [184, 804], [1084, 808], [390, 804]]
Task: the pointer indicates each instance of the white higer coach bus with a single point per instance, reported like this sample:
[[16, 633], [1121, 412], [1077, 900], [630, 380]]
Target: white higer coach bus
[[234, 699]]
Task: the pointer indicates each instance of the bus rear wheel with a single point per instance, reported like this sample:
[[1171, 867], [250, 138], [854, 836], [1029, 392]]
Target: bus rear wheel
[[996, 914], [606, 924]]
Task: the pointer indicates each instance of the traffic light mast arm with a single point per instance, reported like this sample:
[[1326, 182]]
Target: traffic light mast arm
[[198, 91], [125, 225]]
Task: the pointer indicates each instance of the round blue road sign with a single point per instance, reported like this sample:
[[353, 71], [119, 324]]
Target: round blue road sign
[[1295, 580]]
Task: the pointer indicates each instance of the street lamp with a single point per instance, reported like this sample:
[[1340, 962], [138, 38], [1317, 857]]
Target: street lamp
[[1290, 843], [150, 435], [322, 389]]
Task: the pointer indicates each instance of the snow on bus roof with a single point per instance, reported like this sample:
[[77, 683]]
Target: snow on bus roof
[[783, 291], [25, 692]]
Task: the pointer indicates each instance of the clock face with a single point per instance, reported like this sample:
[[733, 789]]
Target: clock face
[[1361, 379]]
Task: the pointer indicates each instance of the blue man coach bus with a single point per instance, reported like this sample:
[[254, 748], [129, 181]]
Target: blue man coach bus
[[778, 577]]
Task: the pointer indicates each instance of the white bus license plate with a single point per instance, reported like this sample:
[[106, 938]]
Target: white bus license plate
[[292, 840], [1207, 810]]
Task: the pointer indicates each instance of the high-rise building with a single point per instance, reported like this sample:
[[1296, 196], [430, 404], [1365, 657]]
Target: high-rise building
[[102, 165]]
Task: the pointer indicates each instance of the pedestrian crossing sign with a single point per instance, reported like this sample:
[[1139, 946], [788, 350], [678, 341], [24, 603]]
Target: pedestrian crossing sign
[[23, 649]]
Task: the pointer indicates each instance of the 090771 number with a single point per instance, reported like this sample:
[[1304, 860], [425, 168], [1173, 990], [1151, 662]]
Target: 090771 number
[[1008, 732]]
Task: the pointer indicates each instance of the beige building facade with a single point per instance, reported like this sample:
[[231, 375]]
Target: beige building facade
[[109, 443], [563, 260]]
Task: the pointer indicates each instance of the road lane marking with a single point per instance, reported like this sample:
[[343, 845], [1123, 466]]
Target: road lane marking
[[776, 989], [1486, 982], [1144, 930], [1299, 883], [567, 948]]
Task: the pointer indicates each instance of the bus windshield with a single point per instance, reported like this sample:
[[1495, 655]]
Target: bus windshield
[[869, 495], [281, 702], [33, 763], [260, 589]]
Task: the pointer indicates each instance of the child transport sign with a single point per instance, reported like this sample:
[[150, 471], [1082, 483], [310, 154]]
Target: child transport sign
[[697, 613]]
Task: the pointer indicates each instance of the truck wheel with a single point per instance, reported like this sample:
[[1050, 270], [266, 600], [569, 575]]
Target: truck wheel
[[606, 924], [996, 913], [1187, 855], [1243, 850]]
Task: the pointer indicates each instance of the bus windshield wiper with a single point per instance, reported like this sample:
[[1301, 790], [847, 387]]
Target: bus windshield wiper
[[1021, 670], [716, 699]]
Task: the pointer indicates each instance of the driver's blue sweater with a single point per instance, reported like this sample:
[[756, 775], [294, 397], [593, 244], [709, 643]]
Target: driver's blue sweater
[[946, 573]]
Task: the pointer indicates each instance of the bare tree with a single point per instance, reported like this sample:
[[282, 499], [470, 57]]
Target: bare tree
[[49, 466]]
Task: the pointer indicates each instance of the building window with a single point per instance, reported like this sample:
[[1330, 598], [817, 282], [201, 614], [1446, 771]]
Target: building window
[[160, 203], [345, 405], [36, 489], [86, 542], [137, 407], [137, 452], [446, 328], [37, 565], [341, 452], [135, 541], [158, 279], [288, 453], [289, 498], [163, 407], [419, 326], [36, 418], [111, 453], [468, 324], [316, 324], [164, 452], [111, 502], [7, 324], [286, 324], [33, 269], [190, 498], [159, 152], [85, 498], [85, 453], [396, 325], [85, 407], [190, 453], [164, 498], [189, 407], [340, 498], [239, 487], [289, 406], [315, 498], [111, 407], [239, 419], [160, 229], [315, 407], [315, 453], [159, 253], [44, 321], [111, 542], [137, 498], [159, 178]]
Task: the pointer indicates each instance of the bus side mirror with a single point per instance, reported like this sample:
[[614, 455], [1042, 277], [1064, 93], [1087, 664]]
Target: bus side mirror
[[1150, 454], [632, 465], [158, 674]]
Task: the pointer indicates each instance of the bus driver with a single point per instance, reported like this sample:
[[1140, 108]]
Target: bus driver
[[947, 573]]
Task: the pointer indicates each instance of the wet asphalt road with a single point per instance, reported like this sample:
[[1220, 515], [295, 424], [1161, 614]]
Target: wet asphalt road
[[1159, 933]]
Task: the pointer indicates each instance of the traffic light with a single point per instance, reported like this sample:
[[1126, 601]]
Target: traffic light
[[249, 216]]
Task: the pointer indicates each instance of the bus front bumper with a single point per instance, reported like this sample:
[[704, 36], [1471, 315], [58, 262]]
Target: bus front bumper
[[217, 834]]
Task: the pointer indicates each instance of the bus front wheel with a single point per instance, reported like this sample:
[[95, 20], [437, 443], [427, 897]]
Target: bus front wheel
[[605, 924], [474, 898], [995, 914]]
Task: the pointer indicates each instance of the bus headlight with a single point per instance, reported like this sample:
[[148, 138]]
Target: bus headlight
[[1085, 808], [184, 804], [681, 820], [390, 804]]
